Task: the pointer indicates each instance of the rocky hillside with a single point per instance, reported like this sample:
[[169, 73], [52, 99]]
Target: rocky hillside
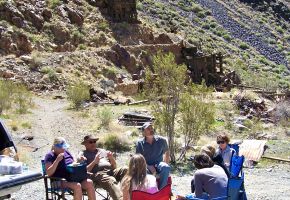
[[51, 43], [255, 36]]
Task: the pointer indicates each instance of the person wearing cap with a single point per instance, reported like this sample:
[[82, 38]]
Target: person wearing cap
[[155, 150], [55, 163], [102, 165]]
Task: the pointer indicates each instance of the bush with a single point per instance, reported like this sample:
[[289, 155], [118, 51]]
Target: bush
[[6, 88], [14, 94], [53, 3], [244, 46], [116, 143], [103, 26], [36, 60], [22, 99], [106, 115], [78, 93]]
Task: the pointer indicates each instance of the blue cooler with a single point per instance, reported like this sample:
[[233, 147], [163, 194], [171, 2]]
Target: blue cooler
[[77, 172]]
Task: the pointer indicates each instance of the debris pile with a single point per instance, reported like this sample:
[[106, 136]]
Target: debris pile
[[251, 108], [136, 118]]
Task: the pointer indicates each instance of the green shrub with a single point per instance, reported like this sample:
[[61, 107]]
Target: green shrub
[[82, 47], [26, 125], [116, 142], [36, 60], [77, 36], [22, 99], [244, 46], [77, 94], [201, 14], [53, 3], [6, 91], [105, 115], [280, 30], [46, 70], [196, 8], [103, 26]]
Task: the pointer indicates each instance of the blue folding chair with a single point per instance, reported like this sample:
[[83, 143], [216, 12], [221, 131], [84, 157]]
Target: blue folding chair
[[236, 189]]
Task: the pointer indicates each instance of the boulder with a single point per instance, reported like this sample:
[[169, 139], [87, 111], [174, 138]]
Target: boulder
[[61, 32], [26, 59], [128, 88], [75, 16], [46, 14], [125, 59], [8, 11], [6, 74], [163, 38], [36, 20]]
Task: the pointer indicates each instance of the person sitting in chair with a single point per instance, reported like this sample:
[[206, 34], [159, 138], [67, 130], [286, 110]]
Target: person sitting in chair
[[137, 178], [155, 150], [224, 150], [102, 164], [56, 162], [217, 160], [209, 178]]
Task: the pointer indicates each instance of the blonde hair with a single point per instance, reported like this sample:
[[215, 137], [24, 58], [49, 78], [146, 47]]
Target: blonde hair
[[208, 150], [136, 173], [57, 140]]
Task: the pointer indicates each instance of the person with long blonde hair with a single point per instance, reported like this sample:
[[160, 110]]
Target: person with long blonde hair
[[137, 178]]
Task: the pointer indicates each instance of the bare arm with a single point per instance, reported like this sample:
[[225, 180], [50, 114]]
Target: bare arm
[[51, 167], [112, 160], [166, 157], [125, 191], [93, 163]]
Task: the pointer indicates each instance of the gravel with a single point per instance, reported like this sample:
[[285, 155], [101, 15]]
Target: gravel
[[51, 118]]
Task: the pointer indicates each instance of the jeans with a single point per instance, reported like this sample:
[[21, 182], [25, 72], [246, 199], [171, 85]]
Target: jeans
[[163, 170]]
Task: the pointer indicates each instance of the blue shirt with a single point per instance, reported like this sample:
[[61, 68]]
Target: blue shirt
[[227, 155], [153, 153]]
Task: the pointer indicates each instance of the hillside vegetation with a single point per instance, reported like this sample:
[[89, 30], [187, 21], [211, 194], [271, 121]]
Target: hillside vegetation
[[66, 40]]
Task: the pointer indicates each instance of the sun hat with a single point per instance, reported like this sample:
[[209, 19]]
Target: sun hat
[[89, 138]]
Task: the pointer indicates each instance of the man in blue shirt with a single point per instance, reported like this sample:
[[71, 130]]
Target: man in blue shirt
[[155, 150]]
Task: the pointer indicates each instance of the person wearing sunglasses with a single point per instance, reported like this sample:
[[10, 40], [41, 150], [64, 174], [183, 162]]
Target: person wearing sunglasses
[[56, 162], [102, 164], [224, 149]]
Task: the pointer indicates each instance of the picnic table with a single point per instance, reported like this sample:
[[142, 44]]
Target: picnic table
[[13, 183]]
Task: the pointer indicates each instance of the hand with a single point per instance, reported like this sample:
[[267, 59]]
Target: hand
[[59, 157], [97, 158], [109, 154], [82, 158], [152, 169]]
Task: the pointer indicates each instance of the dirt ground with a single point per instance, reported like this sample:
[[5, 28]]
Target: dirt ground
[[52, 117]]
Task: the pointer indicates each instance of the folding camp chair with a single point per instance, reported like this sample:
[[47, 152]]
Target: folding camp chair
[[236, 189], [53, 191], [163, 194]]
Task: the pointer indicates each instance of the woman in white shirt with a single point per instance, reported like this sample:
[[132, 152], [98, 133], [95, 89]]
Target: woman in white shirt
[[137, 178]]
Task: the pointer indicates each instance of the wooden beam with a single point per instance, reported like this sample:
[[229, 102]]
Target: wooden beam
[[275, 158]]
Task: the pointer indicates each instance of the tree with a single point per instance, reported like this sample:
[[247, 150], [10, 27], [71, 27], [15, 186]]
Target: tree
[[196, 114], [164, 87]]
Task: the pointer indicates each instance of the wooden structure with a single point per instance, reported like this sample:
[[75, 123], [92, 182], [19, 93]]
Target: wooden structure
[[207, 67], [122, 11]]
